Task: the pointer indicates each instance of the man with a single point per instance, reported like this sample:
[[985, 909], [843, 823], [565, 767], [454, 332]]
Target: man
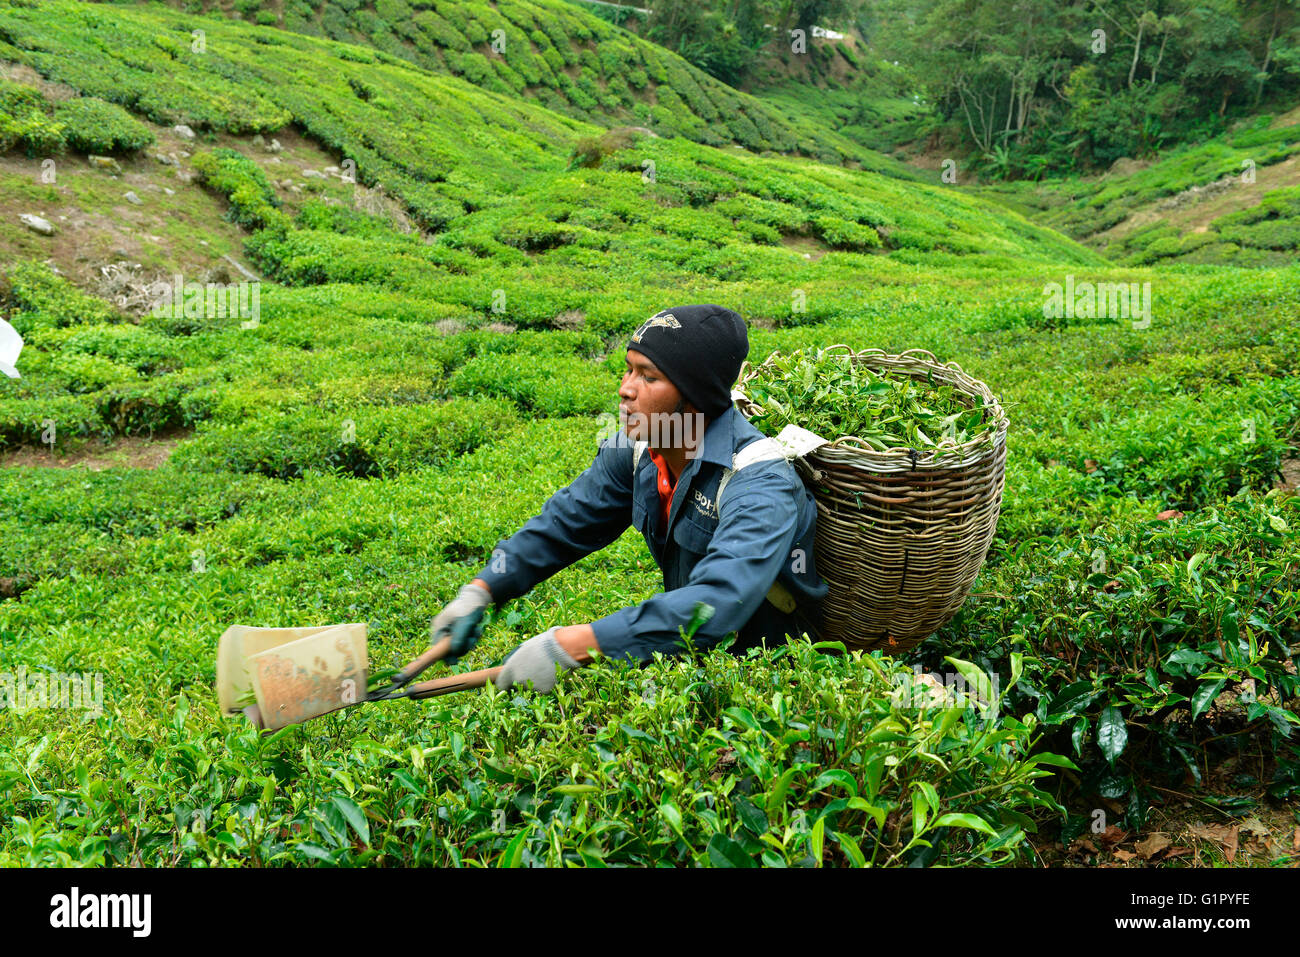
[[747, 554]]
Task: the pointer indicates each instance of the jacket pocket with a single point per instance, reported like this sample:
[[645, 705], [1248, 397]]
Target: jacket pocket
[[692, 536]]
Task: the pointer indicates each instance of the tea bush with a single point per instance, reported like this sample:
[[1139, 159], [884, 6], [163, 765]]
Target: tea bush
[[372, 442], [1085, 208], [1130, 635], [135, 408], [839, 234], [93, 126], [26, 421], [146, 352], [563, 387], [77, 374], [253, 203], [27, 120], [744, 768], [37, 298]]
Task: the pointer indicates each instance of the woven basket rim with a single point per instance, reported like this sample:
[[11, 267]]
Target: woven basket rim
[[850, 447]]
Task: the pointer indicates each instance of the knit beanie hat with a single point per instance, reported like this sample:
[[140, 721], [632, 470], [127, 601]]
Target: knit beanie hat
[[699, 348]]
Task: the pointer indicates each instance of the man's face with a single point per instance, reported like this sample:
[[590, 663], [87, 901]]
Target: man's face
[[651, 407]]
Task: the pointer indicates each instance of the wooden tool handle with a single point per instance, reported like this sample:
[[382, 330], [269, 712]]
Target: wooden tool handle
[[433, 653], [441, 686]]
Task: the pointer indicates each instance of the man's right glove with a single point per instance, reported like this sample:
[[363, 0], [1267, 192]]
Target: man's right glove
[[462, 619], [535, 661]]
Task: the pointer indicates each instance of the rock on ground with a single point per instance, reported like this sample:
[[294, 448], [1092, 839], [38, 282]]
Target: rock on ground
[[37, 224]]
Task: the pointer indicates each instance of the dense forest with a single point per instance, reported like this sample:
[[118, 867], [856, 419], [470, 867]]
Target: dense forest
[[1034, 87]]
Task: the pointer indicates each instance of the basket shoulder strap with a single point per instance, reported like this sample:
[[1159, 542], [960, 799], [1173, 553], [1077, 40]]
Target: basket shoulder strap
[[762, 450], [637, 448], [792, 443]]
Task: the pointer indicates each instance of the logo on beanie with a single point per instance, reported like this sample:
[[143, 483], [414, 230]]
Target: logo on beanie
[[667, 320]]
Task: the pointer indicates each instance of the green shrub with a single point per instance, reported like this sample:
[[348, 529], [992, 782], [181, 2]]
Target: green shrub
[[93, 126], [473, 66], [40, 299], [1267, 234], [25, 118], [74, 373], [253, 203], [1132, 633], [780, 216], [134, 346], [534, 233], [371, 442], [556, 63], [556, 387], [841, 234], [150, 406], [25, 421], [1190, 451], [440, 31]]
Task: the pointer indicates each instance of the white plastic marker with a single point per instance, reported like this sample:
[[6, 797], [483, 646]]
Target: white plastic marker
[[11, 343]]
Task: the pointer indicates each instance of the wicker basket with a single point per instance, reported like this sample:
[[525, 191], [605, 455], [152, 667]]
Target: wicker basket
[[901, 534]]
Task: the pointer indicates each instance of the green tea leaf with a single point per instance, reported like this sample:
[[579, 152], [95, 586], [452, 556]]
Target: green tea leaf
[[354, 816], [836, 776], [1070, 699], [965, 820], [751, 816], [850, 848], [1204, 696], [1056, 760], [724, 852], [1112, 733], [514, 852], [574, 789]]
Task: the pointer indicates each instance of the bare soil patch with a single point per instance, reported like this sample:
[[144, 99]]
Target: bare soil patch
[[125, 452], [810, 248], [1196, 216]]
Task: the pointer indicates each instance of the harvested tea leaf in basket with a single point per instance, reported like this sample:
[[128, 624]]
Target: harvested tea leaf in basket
[[828, 394]]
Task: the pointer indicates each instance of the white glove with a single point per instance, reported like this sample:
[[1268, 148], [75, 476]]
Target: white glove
[[535, 661]]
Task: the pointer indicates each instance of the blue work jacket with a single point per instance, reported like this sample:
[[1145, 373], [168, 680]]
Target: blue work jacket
[[728, 558]]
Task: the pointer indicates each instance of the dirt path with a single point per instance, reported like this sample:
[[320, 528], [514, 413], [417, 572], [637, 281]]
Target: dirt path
[[1195, 217], [127, 452]]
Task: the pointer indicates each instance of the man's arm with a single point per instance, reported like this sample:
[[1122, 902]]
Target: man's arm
[[579, 519], [756, 530]]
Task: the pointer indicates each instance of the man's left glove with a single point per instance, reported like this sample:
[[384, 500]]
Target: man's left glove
[[461, 620], [535, 661]]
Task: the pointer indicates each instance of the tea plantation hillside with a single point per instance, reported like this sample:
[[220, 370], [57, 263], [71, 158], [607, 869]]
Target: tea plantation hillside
[[1232, 200], [432, 349], [559, 55]]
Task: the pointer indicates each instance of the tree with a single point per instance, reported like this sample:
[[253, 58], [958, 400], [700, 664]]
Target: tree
[[1277, 24]]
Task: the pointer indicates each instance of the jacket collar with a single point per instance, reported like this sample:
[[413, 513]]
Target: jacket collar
[[720, 437]]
